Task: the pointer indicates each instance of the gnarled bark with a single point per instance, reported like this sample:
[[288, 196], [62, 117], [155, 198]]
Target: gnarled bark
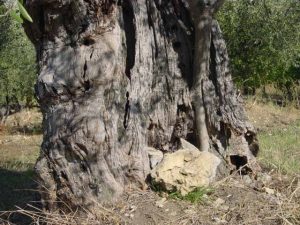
[[117, 77]]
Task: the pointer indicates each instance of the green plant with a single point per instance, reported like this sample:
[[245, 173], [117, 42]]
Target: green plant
[[195, 196], [16, 10]]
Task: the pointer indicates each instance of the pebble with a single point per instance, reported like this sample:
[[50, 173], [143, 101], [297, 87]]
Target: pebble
[[269, 191], [160, 203], [247, 180], [264, 178], [130, 215], [132, 208]]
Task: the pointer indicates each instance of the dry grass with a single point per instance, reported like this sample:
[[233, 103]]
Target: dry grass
[[266, 116], [20, 140], [25, 122], [34, 215], [278, 134]]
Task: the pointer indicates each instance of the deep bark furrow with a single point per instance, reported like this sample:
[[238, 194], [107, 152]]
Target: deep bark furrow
[[130, 34]]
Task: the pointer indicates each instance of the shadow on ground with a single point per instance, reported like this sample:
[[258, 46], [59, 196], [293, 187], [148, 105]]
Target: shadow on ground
[[16, 189]]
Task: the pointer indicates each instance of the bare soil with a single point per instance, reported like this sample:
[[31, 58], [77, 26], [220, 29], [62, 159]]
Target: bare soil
[[234, 201]]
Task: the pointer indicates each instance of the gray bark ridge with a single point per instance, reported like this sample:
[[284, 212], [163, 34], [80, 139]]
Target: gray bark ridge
[[115, 79]]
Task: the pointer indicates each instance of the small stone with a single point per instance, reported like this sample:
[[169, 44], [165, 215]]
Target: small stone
[[269, 191], [225, 207], [132, 208], [160, 203], [126, 215], [264, 178], [167, 210], [131, 216], [247, 180]]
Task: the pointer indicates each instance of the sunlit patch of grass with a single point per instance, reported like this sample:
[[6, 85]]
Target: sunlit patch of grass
[[280, 148], [195, 196]]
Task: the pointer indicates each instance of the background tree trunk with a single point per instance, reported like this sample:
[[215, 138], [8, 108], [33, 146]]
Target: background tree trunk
[[114, 78]]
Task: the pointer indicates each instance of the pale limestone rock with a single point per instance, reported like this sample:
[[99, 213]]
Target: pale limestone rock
[[187, 145], [155, 156], [186, 169]]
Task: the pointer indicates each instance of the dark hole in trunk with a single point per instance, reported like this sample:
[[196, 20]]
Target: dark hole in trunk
[[240, 162]]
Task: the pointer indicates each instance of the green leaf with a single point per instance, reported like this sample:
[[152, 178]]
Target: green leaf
[[24, 12], [16, 16]]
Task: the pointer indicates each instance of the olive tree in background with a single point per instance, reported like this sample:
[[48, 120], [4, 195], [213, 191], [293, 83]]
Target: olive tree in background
[[17, 66], [263, 42]]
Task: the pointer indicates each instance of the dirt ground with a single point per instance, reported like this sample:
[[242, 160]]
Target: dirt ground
[[234, 201], [269, 199]]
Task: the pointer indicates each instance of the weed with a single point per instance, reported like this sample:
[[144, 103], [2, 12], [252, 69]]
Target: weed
[[195, 196]]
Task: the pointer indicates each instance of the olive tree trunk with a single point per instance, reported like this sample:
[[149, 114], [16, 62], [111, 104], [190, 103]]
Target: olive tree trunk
[[116, 77]]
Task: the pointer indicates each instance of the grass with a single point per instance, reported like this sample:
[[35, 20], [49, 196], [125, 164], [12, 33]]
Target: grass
[[280, 148], [198, 195], [16, 176], [19, 151], [278, 134]]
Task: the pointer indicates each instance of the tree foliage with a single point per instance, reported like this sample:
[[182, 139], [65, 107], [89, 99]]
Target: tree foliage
[[263, 40], [17, 62]]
